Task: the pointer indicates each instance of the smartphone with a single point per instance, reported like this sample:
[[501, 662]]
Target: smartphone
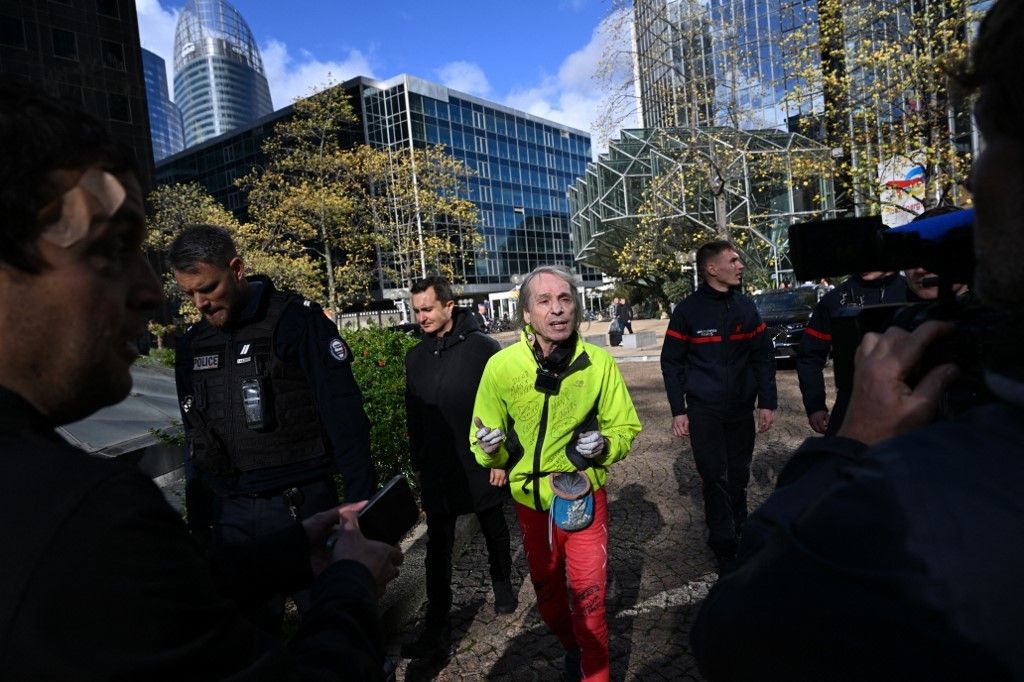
[[390, 513]]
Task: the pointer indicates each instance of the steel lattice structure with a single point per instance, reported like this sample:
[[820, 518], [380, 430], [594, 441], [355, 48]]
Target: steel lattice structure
[[649, 173]]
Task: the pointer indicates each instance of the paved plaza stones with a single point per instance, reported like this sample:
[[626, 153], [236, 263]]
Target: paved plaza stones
[[659, 567]]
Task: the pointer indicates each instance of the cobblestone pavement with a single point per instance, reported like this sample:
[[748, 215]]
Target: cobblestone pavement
[[659, 567]]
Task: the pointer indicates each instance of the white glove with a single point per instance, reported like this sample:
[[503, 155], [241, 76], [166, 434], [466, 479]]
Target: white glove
[[489, 440], [590, 444]]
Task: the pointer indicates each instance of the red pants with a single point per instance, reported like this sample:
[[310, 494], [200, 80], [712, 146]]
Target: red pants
[[577, 560]]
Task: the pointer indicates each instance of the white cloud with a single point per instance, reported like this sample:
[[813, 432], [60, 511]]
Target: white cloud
[[464, 77], [156, 32], [578, 95], [292, 76]]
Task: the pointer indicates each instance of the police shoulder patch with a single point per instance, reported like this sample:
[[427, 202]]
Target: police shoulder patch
[[339, 351]]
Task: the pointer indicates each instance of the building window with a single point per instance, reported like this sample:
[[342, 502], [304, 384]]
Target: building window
[[119, 108], [12, 31], [113, 55], [65, 45], [108, 8]]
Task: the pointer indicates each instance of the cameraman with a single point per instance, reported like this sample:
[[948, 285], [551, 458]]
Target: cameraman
[[893, 550]]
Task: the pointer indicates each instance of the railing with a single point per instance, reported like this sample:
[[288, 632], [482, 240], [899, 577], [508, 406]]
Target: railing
[[380, 318]]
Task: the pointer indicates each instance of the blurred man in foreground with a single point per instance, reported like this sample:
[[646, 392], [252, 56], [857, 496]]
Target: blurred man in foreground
[[100, 579]]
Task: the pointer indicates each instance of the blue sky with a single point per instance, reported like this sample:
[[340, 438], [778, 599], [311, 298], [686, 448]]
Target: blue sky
[[536, 55]]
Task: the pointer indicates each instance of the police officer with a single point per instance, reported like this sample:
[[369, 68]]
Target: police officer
[[865, 289], [270, 406]]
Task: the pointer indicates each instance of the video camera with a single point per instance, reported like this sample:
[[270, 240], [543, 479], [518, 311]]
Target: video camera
[[943, 245]]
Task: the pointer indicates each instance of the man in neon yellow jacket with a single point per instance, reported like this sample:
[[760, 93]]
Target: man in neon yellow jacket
[[547, 407]]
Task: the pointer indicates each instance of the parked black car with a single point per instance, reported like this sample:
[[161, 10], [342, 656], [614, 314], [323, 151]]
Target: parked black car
[[785, 313]]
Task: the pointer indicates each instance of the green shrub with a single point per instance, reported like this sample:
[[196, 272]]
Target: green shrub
[[164, 357], [378, 361]]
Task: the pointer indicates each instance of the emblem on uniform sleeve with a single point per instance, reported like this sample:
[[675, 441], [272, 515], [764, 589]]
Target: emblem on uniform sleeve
[[339, 351]]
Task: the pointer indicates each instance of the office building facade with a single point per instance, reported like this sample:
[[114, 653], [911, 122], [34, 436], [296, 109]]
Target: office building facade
[[522, 166], [165, 126], [219, 83], [87, 54]]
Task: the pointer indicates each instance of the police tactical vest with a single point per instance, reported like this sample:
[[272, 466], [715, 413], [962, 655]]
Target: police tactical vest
[[223, 442]]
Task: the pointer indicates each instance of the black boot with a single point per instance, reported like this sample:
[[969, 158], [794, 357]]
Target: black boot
[[433, 643], [505, 600]]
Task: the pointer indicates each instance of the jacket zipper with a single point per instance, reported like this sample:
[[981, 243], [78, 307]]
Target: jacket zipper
[[541, 430]]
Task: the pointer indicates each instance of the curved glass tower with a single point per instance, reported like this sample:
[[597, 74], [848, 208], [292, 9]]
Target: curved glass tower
[[219, 82]]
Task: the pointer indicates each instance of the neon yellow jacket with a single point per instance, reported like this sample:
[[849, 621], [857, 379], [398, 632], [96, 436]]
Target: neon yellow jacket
[[545, 424]]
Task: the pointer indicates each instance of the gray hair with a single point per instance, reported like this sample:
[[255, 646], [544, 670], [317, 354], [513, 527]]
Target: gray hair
[[201, 243], [563, 273]]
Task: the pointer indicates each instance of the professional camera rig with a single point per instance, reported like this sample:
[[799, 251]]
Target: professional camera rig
[[982, 338]]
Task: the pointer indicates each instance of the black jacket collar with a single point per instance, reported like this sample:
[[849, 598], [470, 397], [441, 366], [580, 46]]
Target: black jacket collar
[[260, 289], [463, 324], [705, 289]]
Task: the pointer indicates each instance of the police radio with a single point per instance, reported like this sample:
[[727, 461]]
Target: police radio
[[254, 403]]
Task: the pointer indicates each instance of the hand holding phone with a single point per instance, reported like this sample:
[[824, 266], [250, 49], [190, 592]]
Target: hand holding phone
[[390, 513]]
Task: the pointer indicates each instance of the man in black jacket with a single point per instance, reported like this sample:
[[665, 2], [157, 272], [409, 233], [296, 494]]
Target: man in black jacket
[[891, 550], [442, 375], [866, 289], [269, 402], [100, 579], [716, 360]]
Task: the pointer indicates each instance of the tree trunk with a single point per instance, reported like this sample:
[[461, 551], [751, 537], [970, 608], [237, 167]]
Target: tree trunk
[[833, 72], [721, 216]]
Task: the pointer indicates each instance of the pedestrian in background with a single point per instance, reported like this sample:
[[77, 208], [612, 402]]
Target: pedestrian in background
[[625, 314]]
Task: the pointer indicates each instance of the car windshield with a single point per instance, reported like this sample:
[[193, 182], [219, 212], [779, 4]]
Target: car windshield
[[784, 301]]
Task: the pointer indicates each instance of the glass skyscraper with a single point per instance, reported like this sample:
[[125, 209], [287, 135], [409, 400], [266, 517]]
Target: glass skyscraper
[[754, 72], [219, 82], [523, 167], [716, 62], [165, 127]]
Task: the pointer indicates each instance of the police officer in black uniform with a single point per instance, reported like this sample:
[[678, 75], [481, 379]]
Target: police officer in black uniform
[[269, 402], [866, 289]]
